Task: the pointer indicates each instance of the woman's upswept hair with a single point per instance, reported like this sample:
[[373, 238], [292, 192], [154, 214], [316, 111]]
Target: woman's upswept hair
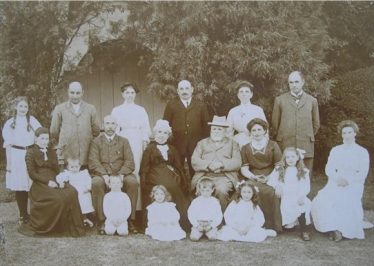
[[239, 186], [257, 121], [347, 123], [281, 166], [17, 100], [163, 189]]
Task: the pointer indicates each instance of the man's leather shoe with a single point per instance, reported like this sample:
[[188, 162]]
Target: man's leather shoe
[[132, 228]]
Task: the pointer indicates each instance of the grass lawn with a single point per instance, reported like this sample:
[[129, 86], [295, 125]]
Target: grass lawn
[[286, 249]]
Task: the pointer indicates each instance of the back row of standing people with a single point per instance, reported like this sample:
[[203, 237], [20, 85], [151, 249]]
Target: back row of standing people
[[75, 123]]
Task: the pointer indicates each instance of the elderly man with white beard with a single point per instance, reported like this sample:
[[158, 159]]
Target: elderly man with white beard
[[217, 157]]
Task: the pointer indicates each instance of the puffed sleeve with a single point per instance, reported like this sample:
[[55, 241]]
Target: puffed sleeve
[[230, 214], [304, 187], [273, 178], [361, 166], [34, 123], [193, 213], [87, 180], [218, 216], [62, 177], [332, 163], [126, 205], [8, 133], [108, 207], [173, 214], [32, 168], [258, 218], [230, 121], [146, 128]]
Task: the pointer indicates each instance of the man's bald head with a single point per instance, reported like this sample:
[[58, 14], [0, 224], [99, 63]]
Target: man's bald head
[[185, 90]]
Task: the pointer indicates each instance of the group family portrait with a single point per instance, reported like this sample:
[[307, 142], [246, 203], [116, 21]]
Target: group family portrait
[[186, 132]]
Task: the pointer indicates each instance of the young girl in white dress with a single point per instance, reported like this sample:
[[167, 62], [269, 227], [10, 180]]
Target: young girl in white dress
[[117, 208], [244, 218], [163, 217], [205, 212], [18, 134], [81, 181], [291, 181]]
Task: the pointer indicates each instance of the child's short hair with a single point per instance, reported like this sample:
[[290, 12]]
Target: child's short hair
[[163, 189], [114, 177], [245, 183], [71, 159], [204, 182], [282, 165]]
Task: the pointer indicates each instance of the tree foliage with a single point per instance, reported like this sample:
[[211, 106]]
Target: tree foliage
[[214, 44], [34, 39], [351, 24], [352, 98]]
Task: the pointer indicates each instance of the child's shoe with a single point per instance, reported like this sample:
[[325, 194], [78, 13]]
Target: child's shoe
[[23, 220], [338, 236], [271, 233], [87, 222], [305, 236]]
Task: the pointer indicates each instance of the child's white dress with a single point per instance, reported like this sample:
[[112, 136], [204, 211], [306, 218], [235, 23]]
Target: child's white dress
[[243, 214], [205, 209], [116, 206], [81, 181], [163, 222], [293, 189], [18, 178]]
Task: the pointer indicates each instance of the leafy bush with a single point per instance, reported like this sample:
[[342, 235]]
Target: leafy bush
[[351, 98]]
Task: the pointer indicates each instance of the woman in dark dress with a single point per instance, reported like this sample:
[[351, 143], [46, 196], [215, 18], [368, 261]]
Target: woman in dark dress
[[54, 209], [259, 157], [161, 166]]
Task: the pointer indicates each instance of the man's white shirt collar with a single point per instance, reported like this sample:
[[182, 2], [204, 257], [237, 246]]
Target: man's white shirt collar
[[187, 102], [109, 138], [297, 95]]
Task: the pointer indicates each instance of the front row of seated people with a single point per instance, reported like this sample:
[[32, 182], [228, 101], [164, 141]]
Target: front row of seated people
[[224, 209]]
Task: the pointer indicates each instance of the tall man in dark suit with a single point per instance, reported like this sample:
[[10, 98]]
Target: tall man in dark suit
[[295, 118], [189, 119], [110, 155]]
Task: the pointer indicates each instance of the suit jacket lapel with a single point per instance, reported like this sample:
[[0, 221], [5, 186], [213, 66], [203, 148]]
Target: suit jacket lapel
[[291, 100], [302, 101]]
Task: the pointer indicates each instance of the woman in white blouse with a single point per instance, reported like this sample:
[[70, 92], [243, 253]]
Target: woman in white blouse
[[240, 115], [133, 124]]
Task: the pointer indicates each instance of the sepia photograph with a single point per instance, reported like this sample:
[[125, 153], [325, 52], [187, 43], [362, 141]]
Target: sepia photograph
[[187, 133]]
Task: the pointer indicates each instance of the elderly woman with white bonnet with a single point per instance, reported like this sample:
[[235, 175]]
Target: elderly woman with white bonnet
[[161, 165]]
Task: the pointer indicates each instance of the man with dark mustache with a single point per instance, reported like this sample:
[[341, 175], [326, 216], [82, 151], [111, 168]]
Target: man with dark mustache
[[188, 118], [110, 155]]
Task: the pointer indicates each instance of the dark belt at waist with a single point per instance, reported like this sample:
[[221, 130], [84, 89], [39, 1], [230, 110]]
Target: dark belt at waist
[[20, 147]]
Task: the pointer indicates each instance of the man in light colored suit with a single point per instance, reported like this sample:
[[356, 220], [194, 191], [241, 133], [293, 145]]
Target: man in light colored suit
[[295, 118], [74, 124], [217, 157]]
